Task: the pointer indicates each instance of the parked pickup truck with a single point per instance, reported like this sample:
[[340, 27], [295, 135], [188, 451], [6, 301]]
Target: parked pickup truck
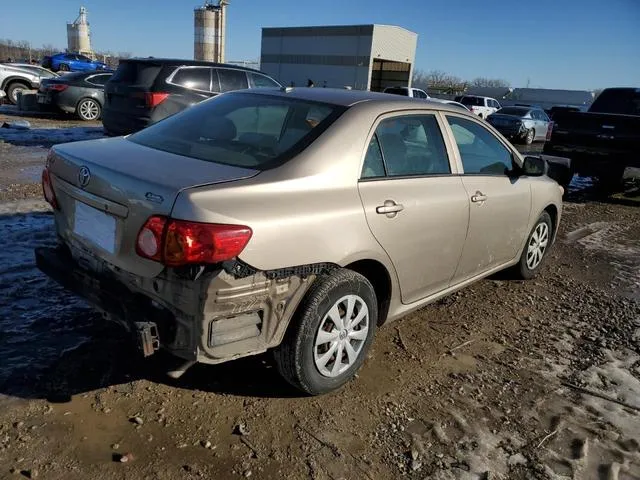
[[603, 141]]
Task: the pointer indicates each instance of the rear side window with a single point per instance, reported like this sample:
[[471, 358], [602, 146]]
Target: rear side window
[[232, 80], [262, 81], [621, 101], [136, 73], [194, 78], [411, 145], [397, 91], [98, 79], [241, 129]]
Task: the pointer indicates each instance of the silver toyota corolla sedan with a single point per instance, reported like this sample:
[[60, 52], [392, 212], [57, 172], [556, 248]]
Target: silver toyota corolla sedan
[[293, 220]]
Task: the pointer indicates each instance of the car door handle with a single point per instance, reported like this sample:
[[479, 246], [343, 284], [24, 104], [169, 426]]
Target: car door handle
[[390, 208], [478, 197]]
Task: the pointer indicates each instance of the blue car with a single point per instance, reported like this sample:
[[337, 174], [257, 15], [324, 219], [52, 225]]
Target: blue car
[[72, 62]]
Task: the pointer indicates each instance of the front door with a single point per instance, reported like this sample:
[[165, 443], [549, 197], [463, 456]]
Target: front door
[[500, 205], [415, 207]]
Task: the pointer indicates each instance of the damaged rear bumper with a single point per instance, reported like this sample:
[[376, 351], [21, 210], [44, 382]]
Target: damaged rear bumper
[[212, 318]]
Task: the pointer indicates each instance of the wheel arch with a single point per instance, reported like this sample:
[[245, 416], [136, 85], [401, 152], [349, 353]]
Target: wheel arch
[[89, 97], [380, 278], [552, 210], [9, 80]]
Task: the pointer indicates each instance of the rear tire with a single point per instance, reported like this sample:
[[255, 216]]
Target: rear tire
[[14, 88], [88, 110], [536, 248], [340, 308]]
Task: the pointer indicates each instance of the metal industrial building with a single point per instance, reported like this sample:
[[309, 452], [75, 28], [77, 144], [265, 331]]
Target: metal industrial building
[[363, 57]]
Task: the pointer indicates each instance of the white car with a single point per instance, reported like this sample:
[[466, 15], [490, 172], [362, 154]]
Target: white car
[[481, 106], [407, 92]]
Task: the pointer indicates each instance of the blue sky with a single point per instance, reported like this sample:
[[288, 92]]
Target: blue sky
[[584, 44]]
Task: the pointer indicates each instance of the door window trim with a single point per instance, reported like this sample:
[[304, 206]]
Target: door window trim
[[453, 163], [515, 155], [169, 79]]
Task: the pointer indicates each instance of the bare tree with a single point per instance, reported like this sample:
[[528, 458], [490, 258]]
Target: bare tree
[[438, 80], [489, 82]]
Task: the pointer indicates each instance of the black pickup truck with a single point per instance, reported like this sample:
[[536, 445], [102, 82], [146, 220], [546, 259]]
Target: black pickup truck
[[603, 141]]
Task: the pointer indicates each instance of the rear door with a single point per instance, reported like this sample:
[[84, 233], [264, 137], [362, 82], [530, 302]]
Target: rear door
[[415, 204], [232, 79], [500, 205]]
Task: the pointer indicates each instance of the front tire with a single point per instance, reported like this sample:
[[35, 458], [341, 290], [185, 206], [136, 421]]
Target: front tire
[[14, 89], [531, 135], [330, 335], [536, 248], [88, 110]]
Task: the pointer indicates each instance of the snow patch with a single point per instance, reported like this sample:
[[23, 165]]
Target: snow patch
[[50, 136]]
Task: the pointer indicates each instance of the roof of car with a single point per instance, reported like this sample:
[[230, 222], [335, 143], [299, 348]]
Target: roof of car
[[348, 98], [190, 63]]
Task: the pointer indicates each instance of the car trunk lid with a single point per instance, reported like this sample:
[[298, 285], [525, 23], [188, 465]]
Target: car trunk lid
[[107, 189]]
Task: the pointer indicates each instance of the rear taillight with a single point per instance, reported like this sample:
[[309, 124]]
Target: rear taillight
[[152, 99], [178, 242], [550, 130], [47, 189], [57, 87], [149, 243]]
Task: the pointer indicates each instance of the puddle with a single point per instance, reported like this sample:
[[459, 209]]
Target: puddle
[[39, 321]]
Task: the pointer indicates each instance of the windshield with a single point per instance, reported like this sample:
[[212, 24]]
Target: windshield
[[241, 129], [516, 111], [473, 101]]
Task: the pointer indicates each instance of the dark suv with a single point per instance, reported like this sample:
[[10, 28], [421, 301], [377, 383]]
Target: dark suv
[[144, 91]]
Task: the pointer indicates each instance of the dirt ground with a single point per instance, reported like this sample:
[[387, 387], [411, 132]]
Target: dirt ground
[[504, 380]]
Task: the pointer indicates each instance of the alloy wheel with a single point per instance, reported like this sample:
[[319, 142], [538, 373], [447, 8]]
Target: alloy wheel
[[341, 336], [537, 245], [89, 110]]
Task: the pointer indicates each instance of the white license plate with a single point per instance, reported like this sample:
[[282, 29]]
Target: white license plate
[[96, 226]]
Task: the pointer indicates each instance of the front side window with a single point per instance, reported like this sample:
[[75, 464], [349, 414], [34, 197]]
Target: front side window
[[410, 145], [481, 152], [241, 129], [232, 80], [262, 81], [194, 78]]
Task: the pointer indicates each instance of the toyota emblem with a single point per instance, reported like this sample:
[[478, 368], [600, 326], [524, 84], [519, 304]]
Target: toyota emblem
[[84, 175]]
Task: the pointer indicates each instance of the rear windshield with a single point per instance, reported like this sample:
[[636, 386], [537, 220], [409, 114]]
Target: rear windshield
[[517, 111], [136, 73], [397, 91], [472, 101], [241, 129], [621, 101]]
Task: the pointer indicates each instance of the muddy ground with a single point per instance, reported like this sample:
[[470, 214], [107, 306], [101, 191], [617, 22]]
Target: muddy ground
[[504, 380]]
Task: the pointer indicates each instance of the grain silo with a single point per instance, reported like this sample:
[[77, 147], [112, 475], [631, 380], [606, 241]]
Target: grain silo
[[78, 37], [209, 31]]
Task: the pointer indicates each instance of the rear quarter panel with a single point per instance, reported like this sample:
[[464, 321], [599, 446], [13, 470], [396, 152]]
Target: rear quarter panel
[[306, 211]]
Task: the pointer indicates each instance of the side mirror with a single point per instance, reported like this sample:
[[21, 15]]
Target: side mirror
[[534, 166]]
